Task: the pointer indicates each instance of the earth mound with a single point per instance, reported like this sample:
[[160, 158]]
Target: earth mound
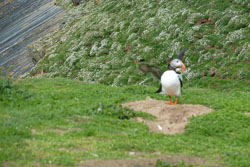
[[171, 119], [147, 162]]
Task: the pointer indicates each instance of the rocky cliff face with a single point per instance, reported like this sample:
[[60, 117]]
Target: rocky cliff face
[[102, 39], [22, 22]]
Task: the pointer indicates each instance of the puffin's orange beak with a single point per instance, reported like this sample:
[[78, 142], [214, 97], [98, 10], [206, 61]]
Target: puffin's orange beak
[[183, 67]]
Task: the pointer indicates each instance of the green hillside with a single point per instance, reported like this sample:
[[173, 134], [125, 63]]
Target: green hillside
[[101, 39]]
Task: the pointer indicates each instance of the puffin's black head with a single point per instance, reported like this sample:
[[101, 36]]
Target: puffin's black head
[[177, 63]]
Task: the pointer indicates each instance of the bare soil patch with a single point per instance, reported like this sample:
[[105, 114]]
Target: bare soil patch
[[147, 162], [77, 118], [8, 164], [204, 21], [74, 149], [57, 130], [62, 131], [171, 119]]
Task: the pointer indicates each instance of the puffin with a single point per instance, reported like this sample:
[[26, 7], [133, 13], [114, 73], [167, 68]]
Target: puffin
[[170, 80]]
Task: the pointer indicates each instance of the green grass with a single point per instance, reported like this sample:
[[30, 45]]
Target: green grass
[[63, 122], [160, 163]]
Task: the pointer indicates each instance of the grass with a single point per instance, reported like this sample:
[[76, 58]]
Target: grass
[[160, 163], [62, 122]]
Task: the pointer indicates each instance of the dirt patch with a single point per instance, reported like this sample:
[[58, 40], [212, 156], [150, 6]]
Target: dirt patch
[[8, 164], [75, 149], [39, 74], [58, 131], [171, 119], [247, 113], [147, 162], [204, 21], [77, 118], [62, 131]]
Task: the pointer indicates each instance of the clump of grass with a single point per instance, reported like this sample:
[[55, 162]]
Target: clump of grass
[[5, 85], [161, 163], [116, 111], [10, 93]]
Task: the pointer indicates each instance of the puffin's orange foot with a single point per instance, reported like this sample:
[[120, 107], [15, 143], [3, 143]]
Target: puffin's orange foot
[[170, 102], [175, 101]]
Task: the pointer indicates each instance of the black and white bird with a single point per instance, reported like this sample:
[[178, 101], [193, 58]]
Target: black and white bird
[[171, 83], [170, 80]]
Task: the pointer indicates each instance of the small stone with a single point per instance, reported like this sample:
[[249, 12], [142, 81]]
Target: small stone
[[159, 127], [131, 153]]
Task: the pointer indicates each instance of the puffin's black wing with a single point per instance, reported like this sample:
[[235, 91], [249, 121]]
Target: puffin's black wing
[[159, 90], [181, 82], [155, 71]]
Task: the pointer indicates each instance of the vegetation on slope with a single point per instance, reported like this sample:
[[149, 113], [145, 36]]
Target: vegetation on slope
[[102, 38], [63, 122]]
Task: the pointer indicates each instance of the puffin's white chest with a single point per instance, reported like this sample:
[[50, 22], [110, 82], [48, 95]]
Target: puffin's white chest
[[170, 83]]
